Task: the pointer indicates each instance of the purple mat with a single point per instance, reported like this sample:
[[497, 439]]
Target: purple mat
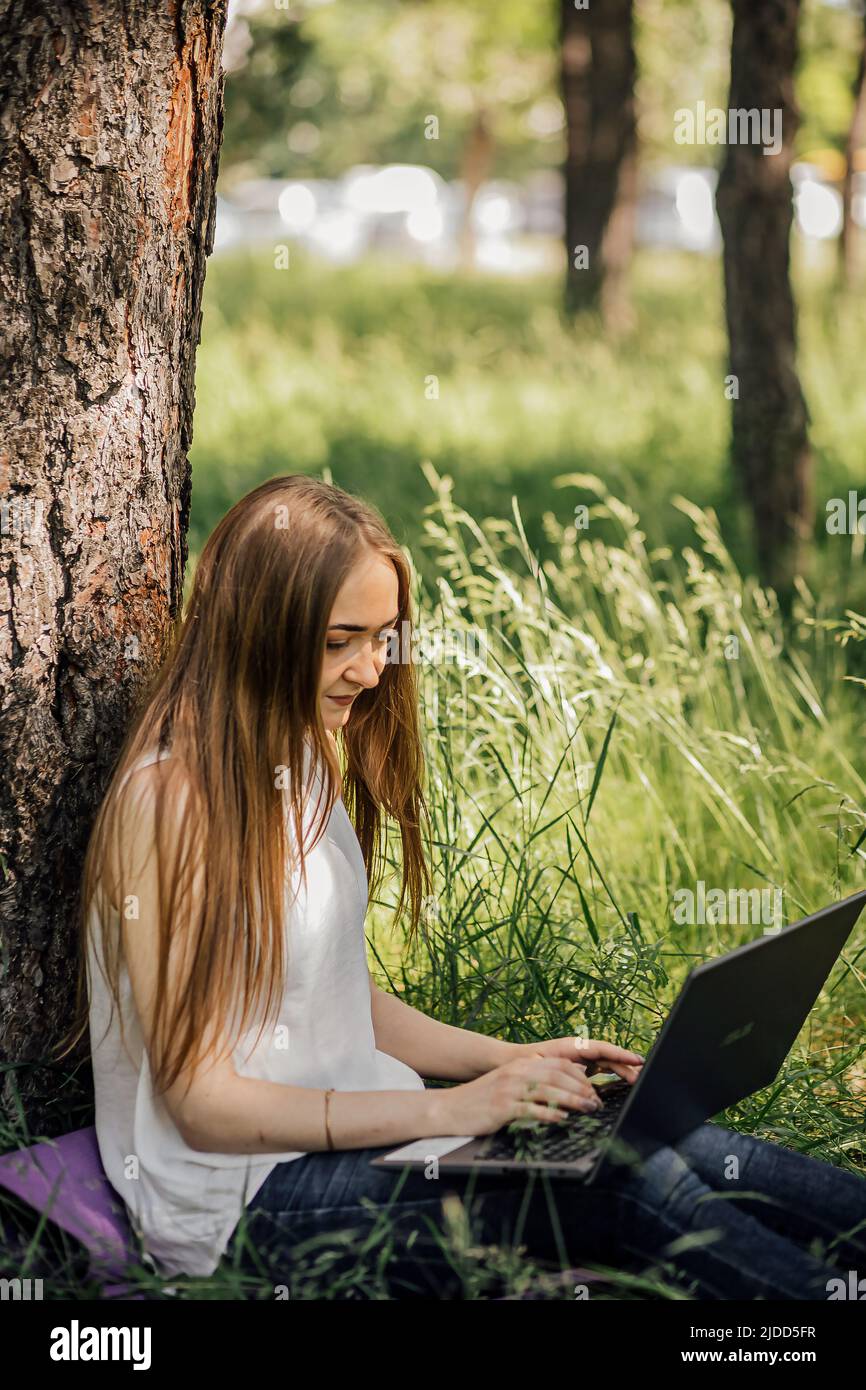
[[65, 1179]]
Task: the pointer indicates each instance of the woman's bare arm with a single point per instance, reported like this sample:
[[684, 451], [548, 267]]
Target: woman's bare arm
[[431, 1048], [227, 1113]]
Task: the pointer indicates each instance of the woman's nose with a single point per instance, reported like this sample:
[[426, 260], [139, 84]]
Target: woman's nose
[[366, 668]]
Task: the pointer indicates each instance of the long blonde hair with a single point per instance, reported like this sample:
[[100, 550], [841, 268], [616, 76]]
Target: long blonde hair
[[235, 700]]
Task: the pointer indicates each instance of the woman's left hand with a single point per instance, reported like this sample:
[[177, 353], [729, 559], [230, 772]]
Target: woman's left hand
[[594, 1056]]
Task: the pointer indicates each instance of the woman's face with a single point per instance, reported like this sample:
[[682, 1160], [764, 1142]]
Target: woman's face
[[366, 609]]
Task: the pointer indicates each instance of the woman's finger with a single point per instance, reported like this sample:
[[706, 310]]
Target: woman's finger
[[530, 1111], [627, 1072], [596, 1049], [578, 1084], [569, 1080]]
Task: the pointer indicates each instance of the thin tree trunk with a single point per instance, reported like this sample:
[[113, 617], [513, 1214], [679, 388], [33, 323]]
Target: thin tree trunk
[[110, 124], [848, 241], [475, 166], [770, 443], [597, 79]]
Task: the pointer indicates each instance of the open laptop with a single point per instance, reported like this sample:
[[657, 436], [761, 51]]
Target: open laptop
[[727, 1035]]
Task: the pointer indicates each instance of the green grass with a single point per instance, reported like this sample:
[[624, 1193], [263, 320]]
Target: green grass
[[618, 746], [315, 368], [643, 719]]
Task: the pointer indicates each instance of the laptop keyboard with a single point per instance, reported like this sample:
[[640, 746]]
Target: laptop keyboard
[[563, 1141]]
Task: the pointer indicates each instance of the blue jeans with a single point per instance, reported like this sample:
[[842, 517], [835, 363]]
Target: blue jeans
[[720, 1215]]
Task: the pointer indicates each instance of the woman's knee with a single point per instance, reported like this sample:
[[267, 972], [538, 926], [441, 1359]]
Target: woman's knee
[[665, 1182], [717, 1149]]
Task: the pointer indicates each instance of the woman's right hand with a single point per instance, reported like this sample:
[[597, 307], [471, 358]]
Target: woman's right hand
[[529, 1088]]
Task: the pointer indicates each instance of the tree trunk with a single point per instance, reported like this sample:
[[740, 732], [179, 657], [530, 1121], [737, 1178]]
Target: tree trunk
[[597, 83], [849, 240], [110, 124], [770, 443], [475, 166]]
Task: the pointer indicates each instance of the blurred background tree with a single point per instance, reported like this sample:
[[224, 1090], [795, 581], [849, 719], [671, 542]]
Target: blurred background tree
[[598, 95], [770, 445], [855, 162]]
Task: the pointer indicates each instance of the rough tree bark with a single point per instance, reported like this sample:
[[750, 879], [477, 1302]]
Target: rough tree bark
[[110, 125], [770, 442], [597, 78]]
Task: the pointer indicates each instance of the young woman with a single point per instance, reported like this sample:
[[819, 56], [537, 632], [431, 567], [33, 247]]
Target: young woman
[[246, 1067]]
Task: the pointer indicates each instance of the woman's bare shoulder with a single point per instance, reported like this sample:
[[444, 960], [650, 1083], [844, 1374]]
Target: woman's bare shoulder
[[154, 804]]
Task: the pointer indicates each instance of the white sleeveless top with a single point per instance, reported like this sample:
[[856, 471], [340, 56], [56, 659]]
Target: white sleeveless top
[[186, 1204]]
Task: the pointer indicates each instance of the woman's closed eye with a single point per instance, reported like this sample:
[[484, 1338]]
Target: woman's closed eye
[[382, 638]]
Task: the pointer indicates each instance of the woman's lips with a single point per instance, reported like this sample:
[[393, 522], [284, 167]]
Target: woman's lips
[[341, 699]]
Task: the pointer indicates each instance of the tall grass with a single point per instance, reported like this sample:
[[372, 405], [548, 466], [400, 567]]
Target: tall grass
[[644, 721]]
